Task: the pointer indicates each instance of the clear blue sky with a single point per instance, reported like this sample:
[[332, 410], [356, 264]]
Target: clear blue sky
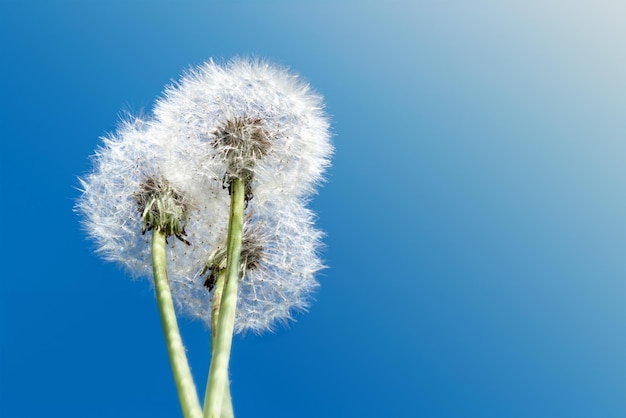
[[475, 211]]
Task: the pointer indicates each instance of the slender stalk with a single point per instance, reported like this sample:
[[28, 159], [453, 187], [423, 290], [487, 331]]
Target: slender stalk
[[217, 303], [227, 403], [185, 386], [218, 372]]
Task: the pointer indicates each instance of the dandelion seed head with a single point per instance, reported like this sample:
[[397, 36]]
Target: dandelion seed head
[[278, 116], [279, 261], [120, 201]]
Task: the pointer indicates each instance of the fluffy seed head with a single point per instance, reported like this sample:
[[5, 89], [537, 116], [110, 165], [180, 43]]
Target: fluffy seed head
[[245, 118], [127, 194], [279, 260]]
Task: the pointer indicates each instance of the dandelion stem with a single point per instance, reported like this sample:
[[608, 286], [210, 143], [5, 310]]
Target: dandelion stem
[[217, 302], [185, 386], [218, 372], [227, 403]]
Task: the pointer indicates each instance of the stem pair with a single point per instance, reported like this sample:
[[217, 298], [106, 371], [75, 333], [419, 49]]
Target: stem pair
[[217, 403]]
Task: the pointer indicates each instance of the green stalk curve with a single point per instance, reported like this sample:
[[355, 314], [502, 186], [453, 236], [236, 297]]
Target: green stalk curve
[[185, 386], [218, 372]]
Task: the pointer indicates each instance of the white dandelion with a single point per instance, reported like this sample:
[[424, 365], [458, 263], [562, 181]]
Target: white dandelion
[[224, 170], [246, 116]]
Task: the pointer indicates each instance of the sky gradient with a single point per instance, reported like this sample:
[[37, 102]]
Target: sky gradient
[[475, 210]]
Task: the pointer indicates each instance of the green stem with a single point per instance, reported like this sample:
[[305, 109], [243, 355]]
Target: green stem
[[185, 386], [227, 403], [218, 372], [215, 306]]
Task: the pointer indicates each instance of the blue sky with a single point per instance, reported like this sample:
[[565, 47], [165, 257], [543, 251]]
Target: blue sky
[[474, 211]]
